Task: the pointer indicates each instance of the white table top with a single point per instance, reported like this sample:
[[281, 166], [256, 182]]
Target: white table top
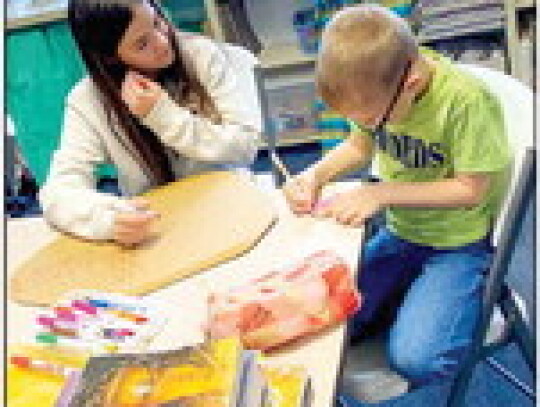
[[292, 237]]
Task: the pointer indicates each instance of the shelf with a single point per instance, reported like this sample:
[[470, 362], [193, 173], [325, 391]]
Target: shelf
[[283, 55], [434, 11], [58, 12], [286, 81], [36, 18], [524, 4], [460, 31], [286, 142]]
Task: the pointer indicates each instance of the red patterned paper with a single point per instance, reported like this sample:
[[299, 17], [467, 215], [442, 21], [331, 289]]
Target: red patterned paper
[[287, 304]]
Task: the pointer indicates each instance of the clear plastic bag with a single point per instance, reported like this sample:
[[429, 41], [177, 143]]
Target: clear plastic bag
[[286, 304]]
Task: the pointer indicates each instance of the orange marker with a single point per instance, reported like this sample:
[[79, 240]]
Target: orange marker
[[25, 362], [138, 319]]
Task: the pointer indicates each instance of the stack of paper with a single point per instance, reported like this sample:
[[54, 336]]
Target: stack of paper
[[440, 19]]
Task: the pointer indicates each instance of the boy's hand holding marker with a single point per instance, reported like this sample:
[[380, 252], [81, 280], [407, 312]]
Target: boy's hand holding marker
[[351, 208], [140, 93], [302, 192], [133, 222]]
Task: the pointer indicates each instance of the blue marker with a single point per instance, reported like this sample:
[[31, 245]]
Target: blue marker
[[101, 303]]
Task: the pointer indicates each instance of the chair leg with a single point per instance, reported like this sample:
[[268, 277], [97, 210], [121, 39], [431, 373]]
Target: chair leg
[[525, 343], [520, 333], [459, 387], [511, 378]]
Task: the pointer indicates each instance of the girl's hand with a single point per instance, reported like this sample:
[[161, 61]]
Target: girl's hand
[[134, 226], [140, 93], [353, 208]]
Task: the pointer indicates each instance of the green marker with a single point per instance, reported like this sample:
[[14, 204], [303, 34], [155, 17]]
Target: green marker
[[47, 338]]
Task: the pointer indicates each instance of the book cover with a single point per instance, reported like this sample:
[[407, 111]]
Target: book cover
[[213, 374], [43, 369]]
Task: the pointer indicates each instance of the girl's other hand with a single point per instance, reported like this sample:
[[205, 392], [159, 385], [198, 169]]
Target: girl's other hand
[[140, 93]]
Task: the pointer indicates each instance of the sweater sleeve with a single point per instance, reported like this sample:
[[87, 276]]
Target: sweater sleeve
[[69, 198], [235, 139]]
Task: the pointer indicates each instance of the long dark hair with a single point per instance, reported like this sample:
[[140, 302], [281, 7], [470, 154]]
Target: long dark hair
[[98, 27]]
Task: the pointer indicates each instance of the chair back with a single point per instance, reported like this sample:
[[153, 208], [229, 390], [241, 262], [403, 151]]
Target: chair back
[[516, 101]]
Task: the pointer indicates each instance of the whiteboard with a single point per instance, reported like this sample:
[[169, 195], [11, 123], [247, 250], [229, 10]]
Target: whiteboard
[[31, 8]]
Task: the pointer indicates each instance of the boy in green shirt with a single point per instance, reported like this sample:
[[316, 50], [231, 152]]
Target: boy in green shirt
[[443, 157]]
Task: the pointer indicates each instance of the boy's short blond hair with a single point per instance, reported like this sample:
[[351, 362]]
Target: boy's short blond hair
[[364, 51]]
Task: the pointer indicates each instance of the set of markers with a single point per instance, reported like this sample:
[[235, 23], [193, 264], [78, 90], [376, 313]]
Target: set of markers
[[99, 323]]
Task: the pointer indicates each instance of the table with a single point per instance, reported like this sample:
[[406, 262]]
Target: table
[[185, 301]]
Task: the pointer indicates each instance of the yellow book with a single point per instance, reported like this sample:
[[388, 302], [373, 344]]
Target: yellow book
[[45, 385], [214, 374]]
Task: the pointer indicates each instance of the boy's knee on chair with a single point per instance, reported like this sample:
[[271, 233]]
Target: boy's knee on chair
[[419, 363]]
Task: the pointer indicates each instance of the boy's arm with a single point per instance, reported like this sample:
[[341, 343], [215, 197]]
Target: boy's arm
[[479, 149], [352, 153], [354, 207], [302, 191], [466, 189]]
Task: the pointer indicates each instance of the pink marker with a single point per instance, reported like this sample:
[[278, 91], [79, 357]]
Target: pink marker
[[50, 323], [322, 204], [125, 332], [84, 306], [45, 321], [66, 314], [117, 333]]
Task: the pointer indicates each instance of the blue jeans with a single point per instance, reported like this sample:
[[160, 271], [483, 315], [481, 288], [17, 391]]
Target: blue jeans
[[438, 294]]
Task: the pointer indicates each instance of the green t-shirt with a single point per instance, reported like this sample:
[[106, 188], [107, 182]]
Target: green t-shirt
[[456, 127]]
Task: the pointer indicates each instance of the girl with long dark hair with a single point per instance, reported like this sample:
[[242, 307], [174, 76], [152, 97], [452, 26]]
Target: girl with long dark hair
[[157, 103]]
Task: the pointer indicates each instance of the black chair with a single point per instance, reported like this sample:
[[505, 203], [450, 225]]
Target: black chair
[[505, 288]]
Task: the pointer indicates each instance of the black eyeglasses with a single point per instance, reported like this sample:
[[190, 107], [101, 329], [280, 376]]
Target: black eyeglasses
[[379, 127]]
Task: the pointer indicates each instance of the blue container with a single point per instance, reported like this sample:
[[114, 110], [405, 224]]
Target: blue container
[[329, 144], [403, 10], [307, 29], [185, 11]]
